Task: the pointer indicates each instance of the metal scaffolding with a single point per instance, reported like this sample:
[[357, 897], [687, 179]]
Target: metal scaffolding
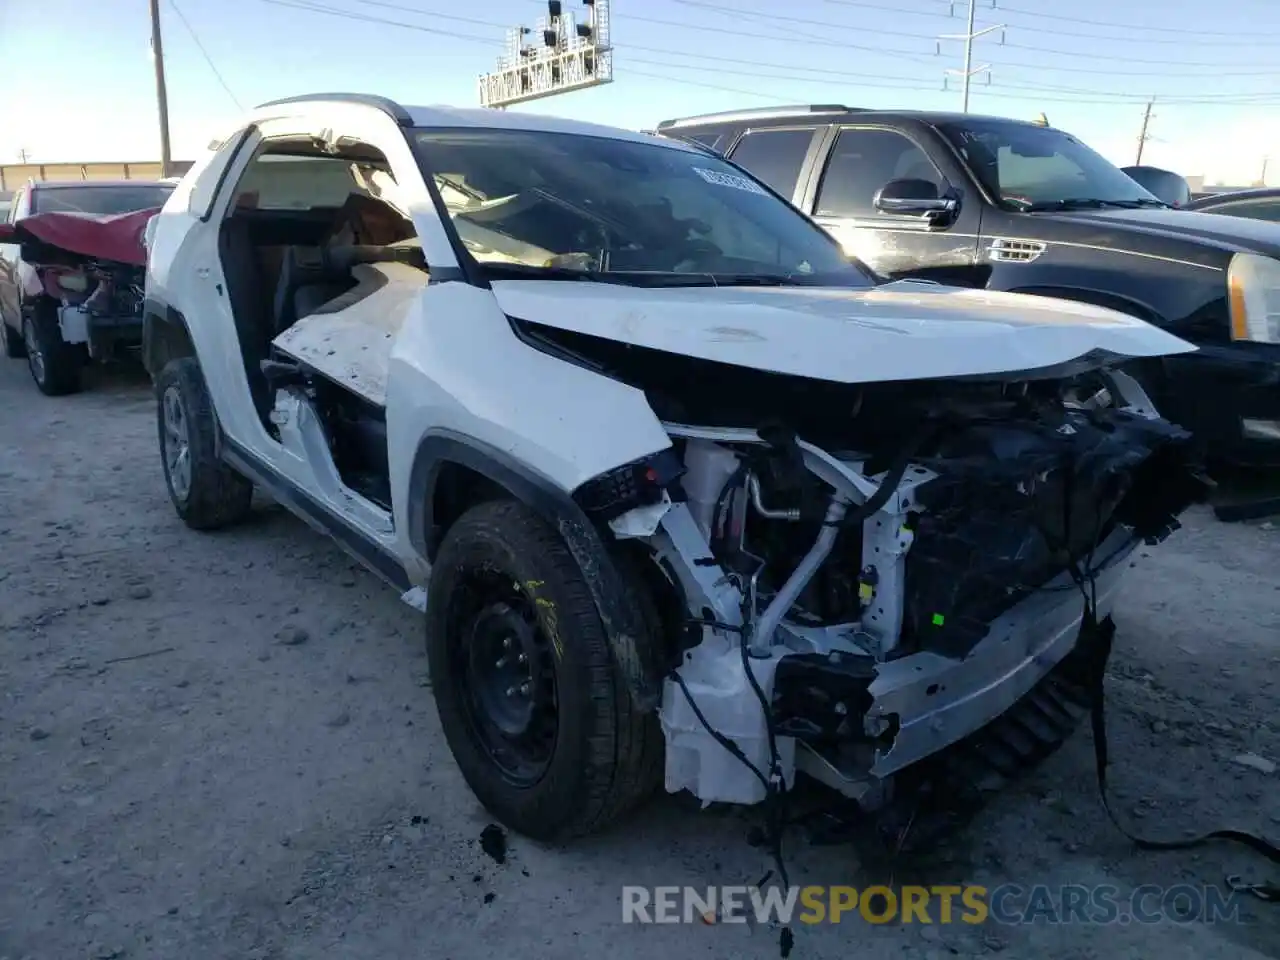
[[556, 55]]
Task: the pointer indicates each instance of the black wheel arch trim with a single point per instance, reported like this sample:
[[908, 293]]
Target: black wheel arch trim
[[156, 311], [618, 611]]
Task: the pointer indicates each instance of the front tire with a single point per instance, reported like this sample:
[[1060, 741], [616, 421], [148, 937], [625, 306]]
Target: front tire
[[55, 365], [536, 713], [206, 492]]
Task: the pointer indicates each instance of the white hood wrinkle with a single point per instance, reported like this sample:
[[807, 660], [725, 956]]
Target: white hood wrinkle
[[905, 330]]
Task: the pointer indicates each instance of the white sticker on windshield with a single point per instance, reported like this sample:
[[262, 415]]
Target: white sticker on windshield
[[730, 180]]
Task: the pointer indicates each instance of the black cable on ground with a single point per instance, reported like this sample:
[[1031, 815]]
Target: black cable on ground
[[1099, 636]]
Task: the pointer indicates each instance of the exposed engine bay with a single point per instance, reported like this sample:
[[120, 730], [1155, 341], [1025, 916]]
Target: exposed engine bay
[[94, 269], [92, 295], [852, 608]]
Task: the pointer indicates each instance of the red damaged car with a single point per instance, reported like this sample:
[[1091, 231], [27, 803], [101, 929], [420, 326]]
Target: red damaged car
[[72, 268]]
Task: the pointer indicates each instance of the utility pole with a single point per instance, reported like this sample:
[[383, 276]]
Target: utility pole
[[1262, 180], [162, 97], [22, 157], [968, 54], [970, 35], [1143, 137]]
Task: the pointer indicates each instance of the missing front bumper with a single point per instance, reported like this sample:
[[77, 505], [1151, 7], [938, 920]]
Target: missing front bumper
[[938, 701]]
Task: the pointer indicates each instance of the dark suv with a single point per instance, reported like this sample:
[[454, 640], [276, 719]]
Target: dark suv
[[1008, 205]]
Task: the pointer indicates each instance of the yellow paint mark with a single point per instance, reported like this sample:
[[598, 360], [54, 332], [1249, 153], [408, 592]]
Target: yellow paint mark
[[551, 623]]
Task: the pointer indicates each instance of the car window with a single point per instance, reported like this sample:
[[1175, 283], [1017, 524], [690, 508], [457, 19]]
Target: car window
[[1265, 209], [711, 140], [862, 162], [552, 202], [280, 181], [1025, 166], [774, 156], [100, 200]]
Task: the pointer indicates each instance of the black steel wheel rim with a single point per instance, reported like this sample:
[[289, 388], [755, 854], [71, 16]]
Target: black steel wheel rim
[[501, 662]]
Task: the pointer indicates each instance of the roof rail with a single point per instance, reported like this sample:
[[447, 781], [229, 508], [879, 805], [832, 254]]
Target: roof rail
[[758, 113], [388, 106]]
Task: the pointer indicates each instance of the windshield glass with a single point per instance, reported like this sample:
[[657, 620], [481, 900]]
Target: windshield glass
[[1029, 167], [99, 199], [568, 206]]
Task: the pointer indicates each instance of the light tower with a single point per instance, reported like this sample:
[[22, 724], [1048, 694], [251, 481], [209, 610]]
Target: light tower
[[557, 55]]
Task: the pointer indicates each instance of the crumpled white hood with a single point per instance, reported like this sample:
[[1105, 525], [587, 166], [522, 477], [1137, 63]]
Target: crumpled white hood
[[905, 330]]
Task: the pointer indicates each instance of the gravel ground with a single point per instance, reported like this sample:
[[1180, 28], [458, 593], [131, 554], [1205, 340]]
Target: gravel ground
[[225, 746]]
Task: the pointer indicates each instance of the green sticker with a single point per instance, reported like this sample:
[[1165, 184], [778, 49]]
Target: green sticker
[[939, 619]]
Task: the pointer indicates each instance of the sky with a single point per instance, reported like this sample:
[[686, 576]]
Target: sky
[[79, 81]]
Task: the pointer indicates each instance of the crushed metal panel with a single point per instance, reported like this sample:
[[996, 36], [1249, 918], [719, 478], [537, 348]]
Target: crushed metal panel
[[352, 346]]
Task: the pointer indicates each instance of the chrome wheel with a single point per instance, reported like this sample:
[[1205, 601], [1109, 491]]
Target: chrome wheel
[[35, 358], [177, 444]]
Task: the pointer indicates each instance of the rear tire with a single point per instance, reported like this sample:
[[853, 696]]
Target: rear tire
[[505, 587], [55, 365], [206, 492]]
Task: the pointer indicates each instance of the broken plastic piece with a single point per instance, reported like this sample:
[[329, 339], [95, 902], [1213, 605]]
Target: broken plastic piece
[[641, 521]]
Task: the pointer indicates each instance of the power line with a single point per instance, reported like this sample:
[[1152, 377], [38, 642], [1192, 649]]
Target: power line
[[734, 11], [205, 53], [1263, 69], [999, 91], [317, 8], [901, 85], [922, 58], [710, 86], [808, 39], [856, 77], [308, 5], [1257, 40], [1233, 35], [1180, 72], [439, 16], [726, 31]]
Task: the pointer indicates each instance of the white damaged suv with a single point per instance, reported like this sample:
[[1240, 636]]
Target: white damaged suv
[[683, 491]]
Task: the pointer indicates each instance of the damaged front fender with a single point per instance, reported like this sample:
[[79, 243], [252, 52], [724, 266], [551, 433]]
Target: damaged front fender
[[614, 602]]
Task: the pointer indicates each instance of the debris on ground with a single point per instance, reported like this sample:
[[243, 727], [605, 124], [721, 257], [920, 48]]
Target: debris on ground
[[292, 636], [493, 841], [1261, 764]]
